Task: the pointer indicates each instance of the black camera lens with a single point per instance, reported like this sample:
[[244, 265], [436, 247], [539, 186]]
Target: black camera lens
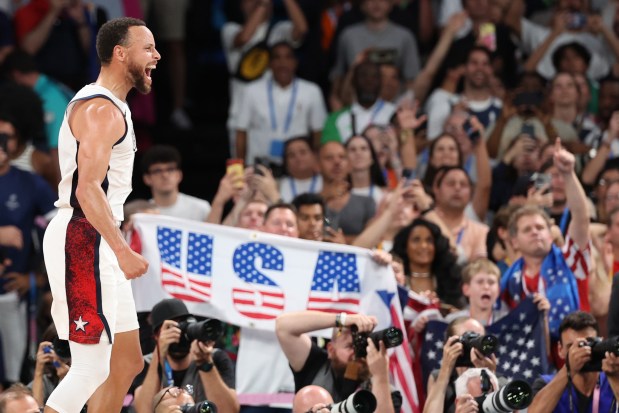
[[202, 407], [204, 331], [489, 344]]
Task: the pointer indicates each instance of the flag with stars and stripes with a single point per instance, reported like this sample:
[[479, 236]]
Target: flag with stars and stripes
[[522, 344], [185, 263], [335, 287], [259, 297]]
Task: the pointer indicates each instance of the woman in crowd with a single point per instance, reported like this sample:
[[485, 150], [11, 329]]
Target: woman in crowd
[[366, 176], [428, 262]]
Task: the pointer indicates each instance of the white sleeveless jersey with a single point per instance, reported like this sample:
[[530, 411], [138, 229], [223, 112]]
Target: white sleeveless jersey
[[117, 182]]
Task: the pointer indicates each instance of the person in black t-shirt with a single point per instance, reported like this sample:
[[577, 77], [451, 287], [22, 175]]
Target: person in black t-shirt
[[178, 363], [334, 367]]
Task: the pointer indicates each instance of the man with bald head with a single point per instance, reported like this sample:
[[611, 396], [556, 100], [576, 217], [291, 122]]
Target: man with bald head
[[18, 399], [312, 398]]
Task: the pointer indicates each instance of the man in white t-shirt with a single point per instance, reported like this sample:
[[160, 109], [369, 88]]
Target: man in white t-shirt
[[239, 39], [276, 108], [476, 96], [161, 166], [368, 109]]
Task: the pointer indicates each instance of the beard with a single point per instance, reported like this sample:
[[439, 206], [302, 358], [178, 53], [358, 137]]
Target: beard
[[138, 78]]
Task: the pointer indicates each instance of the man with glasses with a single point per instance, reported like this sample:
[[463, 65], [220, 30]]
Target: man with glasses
[[161, 168], [171, 399]]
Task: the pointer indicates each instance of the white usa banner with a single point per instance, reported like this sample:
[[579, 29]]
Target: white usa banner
[[248, 278]]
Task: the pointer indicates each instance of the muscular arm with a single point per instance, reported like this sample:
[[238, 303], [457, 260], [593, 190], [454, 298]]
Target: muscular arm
[[98, 124], [547, 398], [291, 329], [577, 203], [223, 396]]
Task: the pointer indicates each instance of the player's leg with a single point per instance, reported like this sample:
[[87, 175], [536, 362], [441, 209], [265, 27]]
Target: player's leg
[[126, 363]]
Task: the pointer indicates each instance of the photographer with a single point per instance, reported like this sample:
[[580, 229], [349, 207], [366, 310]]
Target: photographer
[[313, 399], [178, 362], [333, 367], [580, 385], [441, 384], [172, 399]]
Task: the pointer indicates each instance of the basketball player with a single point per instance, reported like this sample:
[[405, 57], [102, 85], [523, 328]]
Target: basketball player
[[88, 261]]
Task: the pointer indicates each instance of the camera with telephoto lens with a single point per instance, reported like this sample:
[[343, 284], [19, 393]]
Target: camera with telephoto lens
[[202, 407], [486, 344], [362, 401], [191, 329], [515, 395], [204, 331], [391, 337], [599, 347]]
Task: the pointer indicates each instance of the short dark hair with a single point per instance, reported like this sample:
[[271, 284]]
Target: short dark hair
[[21, 61], [442, 172], [279, 205], [578, 48], [280, 43], [308, 198], [578, 321], [480, 49], [160, 154], [113, 33]]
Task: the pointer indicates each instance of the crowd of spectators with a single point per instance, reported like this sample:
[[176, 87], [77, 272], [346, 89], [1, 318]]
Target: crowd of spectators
[[471, 144]]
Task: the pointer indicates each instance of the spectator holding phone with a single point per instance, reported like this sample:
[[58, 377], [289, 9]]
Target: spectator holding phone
[[518, 163]]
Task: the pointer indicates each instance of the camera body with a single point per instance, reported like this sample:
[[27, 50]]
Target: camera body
[[391, 337], [599, 347], [201, 407], [362, 401], [515, 395], [485, 344], [206, 330]]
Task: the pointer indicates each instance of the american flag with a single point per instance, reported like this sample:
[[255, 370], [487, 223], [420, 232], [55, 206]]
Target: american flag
[[335, 287], [400, 360], [262, 298], [185, 263], [522, 344]]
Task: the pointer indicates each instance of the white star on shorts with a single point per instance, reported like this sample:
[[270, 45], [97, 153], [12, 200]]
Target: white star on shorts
[[80, 324]]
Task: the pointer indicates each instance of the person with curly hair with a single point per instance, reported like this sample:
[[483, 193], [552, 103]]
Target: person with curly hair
[[428, 262]]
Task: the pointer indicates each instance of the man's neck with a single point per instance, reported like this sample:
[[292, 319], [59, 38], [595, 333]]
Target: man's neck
[[360, 179], [165, 199], [284, 83], [306, 174], [475, 94], [376, 25], [585, 382], [179, 365], [532, 265], [567, 114], [4, 169], [452, 218], [118, 85]]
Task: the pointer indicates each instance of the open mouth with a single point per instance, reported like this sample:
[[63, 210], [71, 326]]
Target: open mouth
[[486, 297], [149, 70]]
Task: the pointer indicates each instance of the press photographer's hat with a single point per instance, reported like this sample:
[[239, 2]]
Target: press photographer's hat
[[168, 309]]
